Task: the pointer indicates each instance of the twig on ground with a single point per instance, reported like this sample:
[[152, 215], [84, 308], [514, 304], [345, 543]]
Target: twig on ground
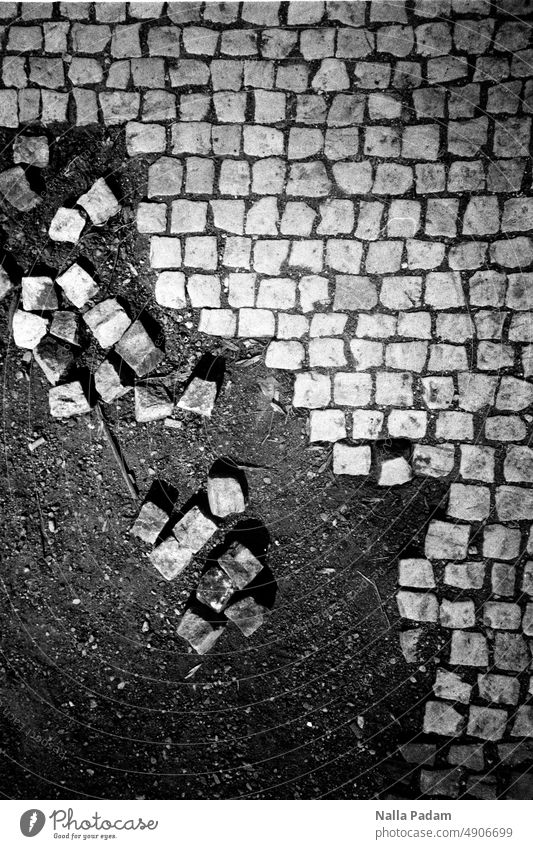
[[378, 595], [117, 454]]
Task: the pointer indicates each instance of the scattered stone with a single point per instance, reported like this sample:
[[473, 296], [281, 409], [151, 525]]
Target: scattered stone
[[28, 329], [152, 402], [247, 615], [215, 589], [225, 496], [38, 294], [108, 383], [150, 522], [170, 558], [68, 400], [99, 202], [394, 471], [65, 326], [31, 150], [199, 397], [53, 357], [78, 285], [5, 283], [15, 188], [409, 644], [198, 631], [138, 351], [194, 530], [240, 565], [108, 321], [66, 225]]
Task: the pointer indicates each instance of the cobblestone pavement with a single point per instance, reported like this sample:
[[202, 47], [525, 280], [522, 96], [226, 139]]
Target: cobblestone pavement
[[351, 182]]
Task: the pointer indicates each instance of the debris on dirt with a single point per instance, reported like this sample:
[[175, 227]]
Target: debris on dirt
[[31, 150], [199, 397], [99, 202], [28, 329], [409, 641], [150, 522], [14, 186], [33, 446], [246, 614], [225, 495], [152, 402], [117, 453], [38, 294], [66, 225], [68, 399], [78, 285]]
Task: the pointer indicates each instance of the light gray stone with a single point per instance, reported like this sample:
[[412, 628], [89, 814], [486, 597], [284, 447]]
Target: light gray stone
[[240, 565], [66, 225], [225, 496], [215, 589], [246, 614], [31, 150], [108, 383], [99, 202], [17, 191], [152, 402], [150, 522], [137, 349], [198, 631], [170, 558], [53, 357], [108, 321], [199, 397], [68, 399], [28, 329], [194, 530]]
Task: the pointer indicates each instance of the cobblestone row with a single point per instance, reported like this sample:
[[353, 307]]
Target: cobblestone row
[[352, 183]]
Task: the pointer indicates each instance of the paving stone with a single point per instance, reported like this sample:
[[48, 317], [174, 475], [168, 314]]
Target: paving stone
[[99, 202], [150, 522], [152, 402], [225, 496], [455, 426], [442, 718], [394, 471], [67, 400], [503, 579], [312, 390], [421, 607], [511, 653], [219, 322], [468, 648], [352, 390], [64, 326], [66, 225], [6, 285], [470, 757], [409, 644], [501, 542], [487, 723], [78, 285], [477, 462], [514, 503], [409, 424], [327, 426], [468, 502], [194, 530], [108, 382], [215, 589], [499, 689], [28, 329], [170, 558], [351, 460], [240, 564], [137, 349], [32, 150], [466, 576], [16, 189], [108, 321], [199, 397], [54, 358], [247, 614], [285, 355], [416, 572], [450, 685], [446, 541], [256, 323], [38, 294], [457, 614], [326, 353], [523, 724], [165, 177], [527, 580]]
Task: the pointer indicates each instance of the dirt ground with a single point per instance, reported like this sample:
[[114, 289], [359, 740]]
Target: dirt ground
[[99, 697]]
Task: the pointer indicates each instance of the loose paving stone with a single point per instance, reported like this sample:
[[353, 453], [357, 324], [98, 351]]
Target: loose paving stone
[[53, 357], [16, 189], [108, 382], [194, 530], [38, 294], [78, 285], [199, 397], [28, 329], [66, 225], [150, 522], [108, 321], [31, 150], [449, 685], [99, 202], [170, 558], [246, 614], [240, 565], [152, 402], [394, 472], [198, 631], [215, 589], [225, 496], [68, 399], [416, 572], [137, 349]]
